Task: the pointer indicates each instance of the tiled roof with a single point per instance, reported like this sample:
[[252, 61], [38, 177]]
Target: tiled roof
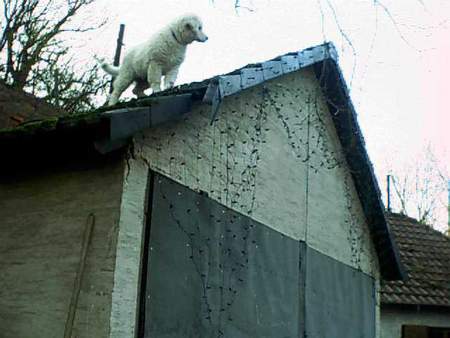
[[17, 107], [425, 254]]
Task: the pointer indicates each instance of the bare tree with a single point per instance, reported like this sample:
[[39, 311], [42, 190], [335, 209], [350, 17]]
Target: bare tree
[[35, 57], [420, 188], [72, 90]]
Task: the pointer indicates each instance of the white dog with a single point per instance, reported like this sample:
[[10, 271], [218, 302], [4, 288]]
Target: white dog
[[160, 56]]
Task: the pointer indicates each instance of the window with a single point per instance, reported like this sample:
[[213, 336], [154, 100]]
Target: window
[[416, 331]]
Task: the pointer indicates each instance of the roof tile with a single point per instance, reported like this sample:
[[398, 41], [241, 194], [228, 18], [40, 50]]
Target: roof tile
[[425, 254]]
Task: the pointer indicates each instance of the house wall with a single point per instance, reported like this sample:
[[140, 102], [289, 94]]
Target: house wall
[[272, 154], [44, 217], [393, 318]]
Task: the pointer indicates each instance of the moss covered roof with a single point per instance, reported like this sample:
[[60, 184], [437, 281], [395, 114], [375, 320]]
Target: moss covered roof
[[34, 127], [41, 126]]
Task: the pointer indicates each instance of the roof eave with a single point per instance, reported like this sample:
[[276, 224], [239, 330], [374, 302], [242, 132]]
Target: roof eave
[[348, 130]]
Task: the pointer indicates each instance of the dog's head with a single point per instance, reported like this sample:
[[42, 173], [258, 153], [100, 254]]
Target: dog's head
[[190, 28]]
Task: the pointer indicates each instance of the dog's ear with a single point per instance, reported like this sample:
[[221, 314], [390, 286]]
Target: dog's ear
[[188, 26]]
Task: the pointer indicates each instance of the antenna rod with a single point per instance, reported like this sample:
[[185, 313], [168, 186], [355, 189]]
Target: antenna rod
[[388, 178], [118, 50]]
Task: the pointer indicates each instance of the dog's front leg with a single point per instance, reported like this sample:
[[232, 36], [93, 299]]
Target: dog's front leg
[[170, 78], [154, 73]]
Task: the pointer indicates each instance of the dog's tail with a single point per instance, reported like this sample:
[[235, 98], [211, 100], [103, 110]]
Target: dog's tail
[[113, 70]]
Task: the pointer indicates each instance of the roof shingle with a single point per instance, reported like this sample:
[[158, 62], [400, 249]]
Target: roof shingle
[[425, 254]]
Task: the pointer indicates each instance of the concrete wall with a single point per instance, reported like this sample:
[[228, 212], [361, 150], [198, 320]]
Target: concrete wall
[[127, 272], [393, 318], [273, 154], [43, 222]]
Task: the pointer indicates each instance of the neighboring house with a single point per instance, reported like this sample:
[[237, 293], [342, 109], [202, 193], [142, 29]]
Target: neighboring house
[[418, 307], [240, 206]]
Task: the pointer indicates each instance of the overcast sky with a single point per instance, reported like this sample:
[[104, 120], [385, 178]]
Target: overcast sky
[[398, 72]]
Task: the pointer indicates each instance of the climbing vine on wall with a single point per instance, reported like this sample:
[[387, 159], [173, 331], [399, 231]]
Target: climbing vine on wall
[[217, 242], [225, 159]]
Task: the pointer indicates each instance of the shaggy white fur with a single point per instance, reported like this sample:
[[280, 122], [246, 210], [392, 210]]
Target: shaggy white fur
[[159, 56]]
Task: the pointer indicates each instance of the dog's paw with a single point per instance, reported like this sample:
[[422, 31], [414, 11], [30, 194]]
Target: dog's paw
[[171, 84], [156, 89]]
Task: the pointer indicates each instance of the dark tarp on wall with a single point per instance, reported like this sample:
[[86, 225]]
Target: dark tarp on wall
[[340, 301], [213, 272]]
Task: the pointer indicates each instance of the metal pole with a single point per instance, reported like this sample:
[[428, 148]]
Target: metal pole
[[118, 50], [448, 206], [388, 178]]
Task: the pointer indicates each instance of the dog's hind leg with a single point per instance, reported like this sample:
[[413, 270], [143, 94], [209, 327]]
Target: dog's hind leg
[[139, 88], [121, 82], [171, 77], [154, 73]]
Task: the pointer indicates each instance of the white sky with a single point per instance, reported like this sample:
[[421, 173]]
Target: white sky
[[399, 84]]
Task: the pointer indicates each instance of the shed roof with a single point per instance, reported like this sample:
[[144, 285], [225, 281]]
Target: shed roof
[[110, 127], [425, 253]]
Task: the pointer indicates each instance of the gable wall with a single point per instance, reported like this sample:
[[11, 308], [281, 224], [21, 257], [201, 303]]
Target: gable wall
[[43, 221], [272, 154]]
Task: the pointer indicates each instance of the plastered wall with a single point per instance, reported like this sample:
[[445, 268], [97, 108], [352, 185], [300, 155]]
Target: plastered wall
[[43, 221], [127, 272], [272, 154]]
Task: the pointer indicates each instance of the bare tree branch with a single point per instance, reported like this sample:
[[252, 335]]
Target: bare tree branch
[[420, 188], [346, 38], [395, 24], [29, 30], [35, 56]]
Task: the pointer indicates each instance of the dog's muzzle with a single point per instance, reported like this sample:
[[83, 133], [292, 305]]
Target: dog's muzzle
[[202, 38]]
